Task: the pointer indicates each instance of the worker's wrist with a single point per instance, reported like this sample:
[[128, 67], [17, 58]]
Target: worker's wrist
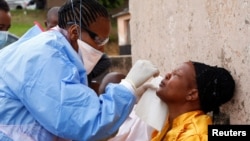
[[128, 85]]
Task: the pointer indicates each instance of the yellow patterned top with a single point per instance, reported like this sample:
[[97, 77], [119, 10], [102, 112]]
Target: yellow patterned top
[[191, 126]]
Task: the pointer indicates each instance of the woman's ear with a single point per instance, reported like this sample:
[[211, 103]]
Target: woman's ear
[[73, 32], [192, 95], [73, 36]]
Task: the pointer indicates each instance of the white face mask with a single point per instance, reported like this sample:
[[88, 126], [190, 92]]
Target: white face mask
[[89, 55], [3, 38]]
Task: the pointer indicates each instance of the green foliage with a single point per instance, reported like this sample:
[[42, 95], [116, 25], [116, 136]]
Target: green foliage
[[22, 20], [110, 4]]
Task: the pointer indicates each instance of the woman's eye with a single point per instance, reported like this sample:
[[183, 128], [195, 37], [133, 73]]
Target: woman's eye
[[175, 74]]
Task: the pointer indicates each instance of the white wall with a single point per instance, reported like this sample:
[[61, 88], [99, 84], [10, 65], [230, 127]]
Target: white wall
[[216, 32], [123, 29]]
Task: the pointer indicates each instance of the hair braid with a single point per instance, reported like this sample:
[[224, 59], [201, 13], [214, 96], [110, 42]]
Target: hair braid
[[4, 6], [216, 86], [89, 10]]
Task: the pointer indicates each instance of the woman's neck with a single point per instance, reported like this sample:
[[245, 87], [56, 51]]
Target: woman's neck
[[175, 110]]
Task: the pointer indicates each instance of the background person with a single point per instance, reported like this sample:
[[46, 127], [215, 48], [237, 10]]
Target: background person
[[191, 91], [5, 16], [44, 91], [6, 38], [51, 17]]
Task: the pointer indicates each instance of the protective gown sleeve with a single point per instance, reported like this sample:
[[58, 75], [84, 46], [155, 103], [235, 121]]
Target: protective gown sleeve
[[54, 95]]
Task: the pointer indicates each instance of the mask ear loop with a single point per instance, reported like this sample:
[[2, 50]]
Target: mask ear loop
[[72, 6], [80, 34]]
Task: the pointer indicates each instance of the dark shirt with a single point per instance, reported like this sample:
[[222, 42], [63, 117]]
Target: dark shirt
[[100, 68]]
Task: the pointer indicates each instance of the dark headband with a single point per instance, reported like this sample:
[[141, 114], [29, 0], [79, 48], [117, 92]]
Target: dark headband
[[215, 86]]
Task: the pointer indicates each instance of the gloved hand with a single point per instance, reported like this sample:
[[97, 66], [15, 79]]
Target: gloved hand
[[140, 72], [144, 87]]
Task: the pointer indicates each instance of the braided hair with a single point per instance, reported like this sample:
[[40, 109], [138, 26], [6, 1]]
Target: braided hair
[[4, 6], [215, 85], [81, 12]]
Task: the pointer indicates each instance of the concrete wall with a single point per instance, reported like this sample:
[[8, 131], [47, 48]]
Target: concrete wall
[[123, 29], [121, 63], [169, 32]]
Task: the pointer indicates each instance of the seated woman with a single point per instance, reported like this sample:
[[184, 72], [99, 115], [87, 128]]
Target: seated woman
[[191, 91]]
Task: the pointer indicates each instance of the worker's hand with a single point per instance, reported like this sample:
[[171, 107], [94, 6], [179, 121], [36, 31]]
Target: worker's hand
[[144, 87], [140, 72]]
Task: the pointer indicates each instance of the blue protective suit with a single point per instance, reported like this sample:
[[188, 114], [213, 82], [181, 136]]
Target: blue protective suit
[[44, 92]]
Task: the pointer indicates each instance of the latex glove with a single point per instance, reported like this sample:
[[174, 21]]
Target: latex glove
[[140, 72], [148, 85]]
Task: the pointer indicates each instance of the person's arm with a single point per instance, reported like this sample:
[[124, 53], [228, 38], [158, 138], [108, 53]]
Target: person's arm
[[67, 108]]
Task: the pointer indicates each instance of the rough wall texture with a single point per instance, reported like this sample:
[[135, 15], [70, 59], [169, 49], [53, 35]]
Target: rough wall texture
[[169, 32], [121, 63]]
